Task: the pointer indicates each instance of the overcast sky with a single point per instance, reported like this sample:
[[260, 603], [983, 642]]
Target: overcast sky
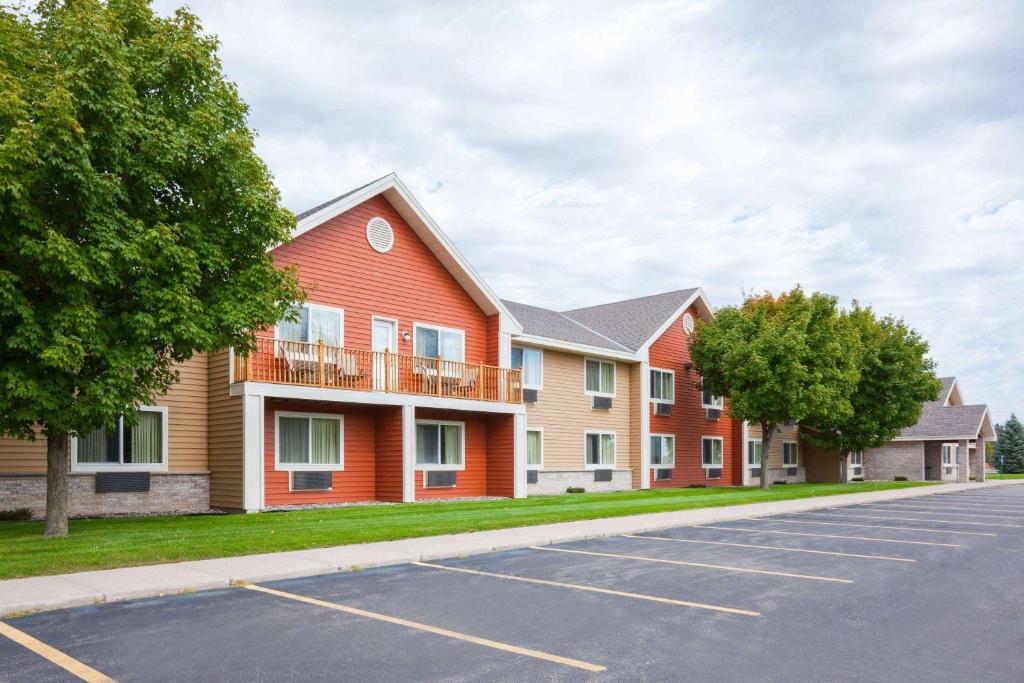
[[580, 153]]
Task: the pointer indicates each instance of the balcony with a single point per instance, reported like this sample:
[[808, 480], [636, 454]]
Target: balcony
[[279, 361]]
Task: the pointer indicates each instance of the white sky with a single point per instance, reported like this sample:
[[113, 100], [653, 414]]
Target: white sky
[[582, 153]]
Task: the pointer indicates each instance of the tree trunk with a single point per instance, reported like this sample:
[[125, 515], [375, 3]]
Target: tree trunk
[[57, 454], [843, 453], [767, 431]]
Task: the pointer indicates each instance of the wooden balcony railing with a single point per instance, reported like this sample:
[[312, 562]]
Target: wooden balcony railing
[[279, 361]]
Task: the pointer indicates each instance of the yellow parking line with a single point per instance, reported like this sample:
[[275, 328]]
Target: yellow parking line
[[852, 538], [594, 589], [774, 547], [879, 526], [536, 654], [723, 567], [944, 511], [913, 519], [66, 662]]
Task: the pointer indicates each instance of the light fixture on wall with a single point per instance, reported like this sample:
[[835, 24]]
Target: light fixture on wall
[[688, 365], [406, 336]]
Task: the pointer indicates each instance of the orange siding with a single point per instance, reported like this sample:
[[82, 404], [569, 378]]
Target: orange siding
[[471, 481], [493, 336], [687, 421], [501, 455], [389, 454]]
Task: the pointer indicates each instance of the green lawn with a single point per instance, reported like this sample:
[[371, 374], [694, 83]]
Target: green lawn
[[121, 542], [1004, 476]]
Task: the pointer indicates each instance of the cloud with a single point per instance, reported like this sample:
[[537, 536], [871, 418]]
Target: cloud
[[582, 152]]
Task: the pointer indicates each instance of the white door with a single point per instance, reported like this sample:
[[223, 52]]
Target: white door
[[385, 336]]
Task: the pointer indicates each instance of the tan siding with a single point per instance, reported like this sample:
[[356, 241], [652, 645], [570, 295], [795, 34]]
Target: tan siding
[[635, 416], [564, 411], [787, 433], [225, 436], [22, 456]]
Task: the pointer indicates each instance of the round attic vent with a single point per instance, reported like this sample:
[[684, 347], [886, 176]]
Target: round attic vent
[[380, 235], [687, 323]]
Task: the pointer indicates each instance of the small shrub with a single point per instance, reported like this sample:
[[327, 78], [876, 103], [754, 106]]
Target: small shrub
[[779, 483], [697, 486], [15, 515], [575, 489], [857, 479], [899, 477]]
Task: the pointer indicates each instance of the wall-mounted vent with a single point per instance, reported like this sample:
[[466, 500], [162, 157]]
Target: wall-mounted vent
[[529, 395], [602, 475], [792, 423], [380, 235], [662, 408], [662, 475], [122, 482], [438, 480], [531, 476], [311, 481], [603, 402], [712, 413], [714, 473], [687, 323]]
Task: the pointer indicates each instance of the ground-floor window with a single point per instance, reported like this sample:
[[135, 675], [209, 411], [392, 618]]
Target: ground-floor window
[[600, 449], [139, 441], [534, 448], [712, 451], [856, 464], [790, 454], [754, 450], [663, 450], [440, 445], [310, 441]]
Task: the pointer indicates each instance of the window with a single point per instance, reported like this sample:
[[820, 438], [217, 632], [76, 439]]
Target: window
[[531, 361], [600, 449], [310, 441], [440, 445], [315, 323], [599, 377], [711, 451], [430, 341], [142, 444], [754, 450], [663, 386], [534, 449], [949, 452], [663, 450], [709, 400], [790, 456], [856, 464]]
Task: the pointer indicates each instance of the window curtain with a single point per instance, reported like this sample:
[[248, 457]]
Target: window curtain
[[326, 442], [426, 342], [593, 371], [452, 453], [607, 377], [533, 448], [451, 346], [607, 449], [426, 445], [92, 448], [147, 439], [325, 326], [531, 366], [294, 330], [293, 440], [753, 452]]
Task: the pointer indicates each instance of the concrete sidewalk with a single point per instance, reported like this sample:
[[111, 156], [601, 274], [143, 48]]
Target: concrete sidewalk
[[83, 588]]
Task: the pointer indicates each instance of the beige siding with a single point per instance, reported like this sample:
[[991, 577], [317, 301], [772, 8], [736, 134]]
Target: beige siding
[[225, 436], [636, 408], [564, 411], [22, 456], [784, 433]]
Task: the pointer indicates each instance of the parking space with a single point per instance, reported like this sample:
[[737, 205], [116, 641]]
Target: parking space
[[867, 592]]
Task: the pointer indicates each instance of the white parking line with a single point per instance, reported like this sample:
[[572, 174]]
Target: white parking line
[[877, 526], [924, 510], [773, 547], [890, 518], [852, 538]]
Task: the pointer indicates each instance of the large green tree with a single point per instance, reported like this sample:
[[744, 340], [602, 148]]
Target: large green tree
[[136, 218], [779, 359], [896, 378], [1008, 453]]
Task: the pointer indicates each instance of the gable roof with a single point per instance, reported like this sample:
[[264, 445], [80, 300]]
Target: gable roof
[[548, 324], [633, 323], [946, 392], [949, 422], [399, 196]]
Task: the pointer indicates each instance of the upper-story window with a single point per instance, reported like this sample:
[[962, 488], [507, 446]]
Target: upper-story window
[[431, 341], [315, 323], [599, 377], [663, 386], [142, 444], [531, 361], [709, 400]]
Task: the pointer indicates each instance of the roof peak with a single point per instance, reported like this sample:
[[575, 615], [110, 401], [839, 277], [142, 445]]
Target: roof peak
[[686, 291]]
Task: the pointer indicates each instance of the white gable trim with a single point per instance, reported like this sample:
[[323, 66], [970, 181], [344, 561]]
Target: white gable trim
[[954, 386], [703, 307], [573, 347]]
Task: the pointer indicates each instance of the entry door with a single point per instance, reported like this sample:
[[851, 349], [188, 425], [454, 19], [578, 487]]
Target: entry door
[[385, 338]]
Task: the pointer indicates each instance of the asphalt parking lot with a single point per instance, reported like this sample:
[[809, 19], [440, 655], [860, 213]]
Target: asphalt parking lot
[[917, 589]]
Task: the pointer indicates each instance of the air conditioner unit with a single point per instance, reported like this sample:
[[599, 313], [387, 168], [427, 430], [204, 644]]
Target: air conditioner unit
[[712, 413], [714, 472], [755, 471], [531, 476], [791, 471], [792, 423], [438, 479], [602, 475], [311, 481], [529, 395], [603, 402], [662, 474], [662, 408]]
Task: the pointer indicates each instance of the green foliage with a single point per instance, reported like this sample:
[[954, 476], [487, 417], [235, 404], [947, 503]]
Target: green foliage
[[15, 515], [136, 216], [1008, 451]]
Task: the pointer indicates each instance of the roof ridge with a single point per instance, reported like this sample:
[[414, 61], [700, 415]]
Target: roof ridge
[[573, 321], [312, 210], [635, 298]]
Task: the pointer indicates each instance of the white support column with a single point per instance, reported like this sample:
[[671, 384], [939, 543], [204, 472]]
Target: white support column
[[252, 452], [963, 460], [743, 453], [408, 454], [645, 425], [979, 470], [519, 456]]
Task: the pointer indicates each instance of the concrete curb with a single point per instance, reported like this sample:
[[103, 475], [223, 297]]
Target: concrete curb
[[42, 593]]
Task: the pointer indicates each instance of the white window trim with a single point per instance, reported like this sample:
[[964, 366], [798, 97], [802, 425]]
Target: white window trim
[[795, 443], [319, 307], [664, 400], [539, 386], [712, 466], [746, 456], [856, 469], [615, 378], [718, 402], [615, 449], [127, 467], [308, 467], [953, 450], [663, 466], [424, 467], [439, 328], [541, 465]]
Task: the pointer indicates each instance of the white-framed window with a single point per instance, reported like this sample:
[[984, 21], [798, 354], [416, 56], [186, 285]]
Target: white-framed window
[[309, 441], [712, 451], [534, 448], [663, 386], [599, 377], [599, 450], [531, 361], [790, 454], [431, 341], [754, 450], [949, 453], [440, 445], [315, 323], [663, 450], [709, 400], [139, 446], [856, 463]]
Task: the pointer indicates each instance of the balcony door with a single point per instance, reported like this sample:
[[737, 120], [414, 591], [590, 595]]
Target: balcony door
[[385, 338]]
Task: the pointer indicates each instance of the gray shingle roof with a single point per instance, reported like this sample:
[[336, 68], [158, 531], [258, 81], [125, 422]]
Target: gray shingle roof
[[947, 384], [320, 207], [542, 322], [634, 321], [944, 421]]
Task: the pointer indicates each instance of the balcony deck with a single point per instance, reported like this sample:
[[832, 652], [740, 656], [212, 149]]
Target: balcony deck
[[279, 361]]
